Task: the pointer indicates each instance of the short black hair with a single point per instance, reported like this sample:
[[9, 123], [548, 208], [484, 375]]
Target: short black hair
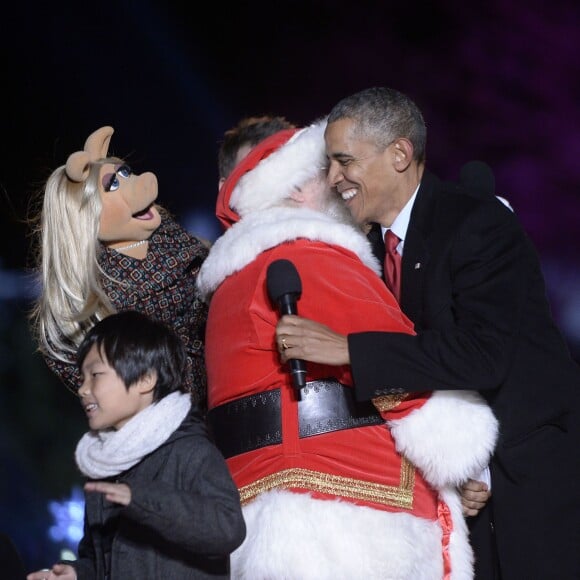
[[381, 115], [248, 131], [135, 344]]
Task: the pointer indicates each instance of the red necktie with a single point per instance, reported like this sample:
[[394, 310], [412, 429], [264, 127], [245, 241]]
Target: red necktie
[[393, 263]]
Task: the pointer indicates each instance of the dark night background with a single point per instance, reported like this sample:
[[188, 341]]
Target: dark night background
[[497, 81]]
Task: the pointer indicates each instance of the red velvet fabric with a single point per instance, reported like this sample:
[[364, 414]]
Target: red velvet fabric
[[242, 359]]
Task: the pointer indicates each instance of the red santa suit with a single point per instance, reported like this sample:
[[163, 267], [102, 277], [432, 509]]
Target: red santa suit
[[330, 489]]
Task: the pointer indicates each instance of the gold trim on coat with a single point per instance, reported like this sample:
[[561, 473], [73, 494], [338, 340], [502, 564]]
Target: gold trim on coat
[[400, 496]]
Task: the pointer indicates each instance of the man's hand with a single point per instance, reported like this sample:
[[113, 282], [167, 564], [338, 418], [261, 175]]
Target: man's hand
[[474, 496], [305, 339], [116, 492]]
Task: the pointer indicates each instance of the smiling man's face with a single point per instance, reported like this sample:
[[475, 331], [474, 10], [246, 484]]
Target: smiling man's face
[[363, 175]]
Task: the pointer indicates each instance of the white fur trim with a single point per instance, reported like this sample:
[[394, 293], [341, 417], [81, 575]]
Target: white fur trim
[[263, 230], [297, 161], [292, 536], [450, 438]]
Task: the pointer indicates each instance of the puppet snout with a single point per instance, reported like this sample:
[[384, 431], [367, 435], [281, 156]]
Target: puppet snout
[[146, 185]]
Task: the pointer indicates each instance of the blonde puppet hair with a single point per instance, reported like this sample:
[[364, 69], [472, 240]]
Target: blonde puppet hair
[[71, 296]]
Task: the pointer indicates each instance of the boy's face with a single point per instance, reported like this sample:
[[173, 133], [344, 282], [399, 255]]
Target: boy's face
[[105, 398]]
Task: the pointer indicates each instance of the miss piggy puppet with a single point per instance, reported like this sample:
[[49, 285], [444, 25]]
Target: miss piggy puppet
[[104, 245]]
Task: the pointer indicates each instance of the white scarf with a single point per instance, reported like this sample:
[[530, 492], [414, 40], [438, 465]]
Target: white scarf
[[102, 454]]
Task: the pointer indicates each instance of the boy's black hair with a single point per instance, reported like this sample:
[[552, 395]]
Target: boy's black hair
[[134, 345]]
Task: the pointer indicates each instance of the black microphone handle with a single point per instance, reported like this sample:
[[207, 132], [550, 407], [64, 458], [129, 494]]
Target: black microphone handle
[[298, 371], [287, 304]]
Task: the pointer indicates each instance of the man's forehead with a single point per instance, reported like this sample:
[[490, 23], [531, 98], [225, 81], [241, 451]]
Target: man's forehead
[[349, 148]]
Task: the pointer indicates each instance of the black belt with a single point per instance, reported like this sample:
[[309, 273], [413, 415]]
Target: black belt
[[255, 421]]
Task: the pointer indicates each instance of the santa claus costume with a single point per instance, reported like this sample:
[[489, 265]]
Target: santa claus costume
[[330, 488]]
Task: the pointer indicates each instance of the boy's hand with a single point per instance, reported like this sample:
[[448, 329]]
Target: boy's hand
[[115, 492]]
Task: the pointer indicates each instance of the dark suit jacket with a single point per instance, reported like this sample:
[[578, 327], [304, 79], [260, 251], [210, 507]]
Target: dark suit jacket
[[472, 284]]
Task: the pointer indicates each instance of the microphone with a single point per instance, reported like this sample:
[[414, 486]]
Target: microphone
[[285, 288], [478, 178]]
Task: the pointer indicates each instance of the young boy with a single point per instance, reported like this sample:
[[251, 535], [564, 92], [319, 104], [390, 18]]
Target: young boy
[[160, 502]]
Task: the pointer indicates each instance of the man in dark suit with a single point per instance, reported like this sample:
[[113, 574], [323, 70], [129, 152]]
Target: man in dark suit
[[471, 282]]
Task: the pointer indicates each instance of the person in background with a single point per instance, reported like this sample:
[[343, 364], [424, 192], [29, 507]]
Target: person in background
[[160, 502], [330, 489], [471, 282], [238, 141]]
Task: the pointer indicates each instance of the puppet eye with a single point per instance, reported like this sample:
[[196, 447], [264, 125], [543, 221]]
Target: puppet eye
[[124, 171], [112, 183]]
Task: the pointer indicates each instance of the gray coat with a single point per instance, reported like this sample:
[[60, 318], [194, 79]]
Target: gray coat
[[183, 521]]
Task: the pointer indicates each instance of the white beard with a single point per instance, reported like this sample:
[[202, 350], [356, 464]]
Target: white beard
[[335, 208]]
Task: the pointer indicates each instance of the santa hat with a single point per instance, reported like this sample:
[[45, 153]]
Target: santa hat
[[271, 171]]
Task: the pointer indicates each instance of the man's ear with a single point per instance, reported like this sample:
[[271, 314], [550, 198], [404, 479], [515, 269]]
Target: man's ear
[[402, 153], [147, 383]]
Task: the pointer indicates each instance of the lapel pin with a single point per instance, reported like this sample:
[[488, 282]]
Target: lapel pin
[[417, 265]]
